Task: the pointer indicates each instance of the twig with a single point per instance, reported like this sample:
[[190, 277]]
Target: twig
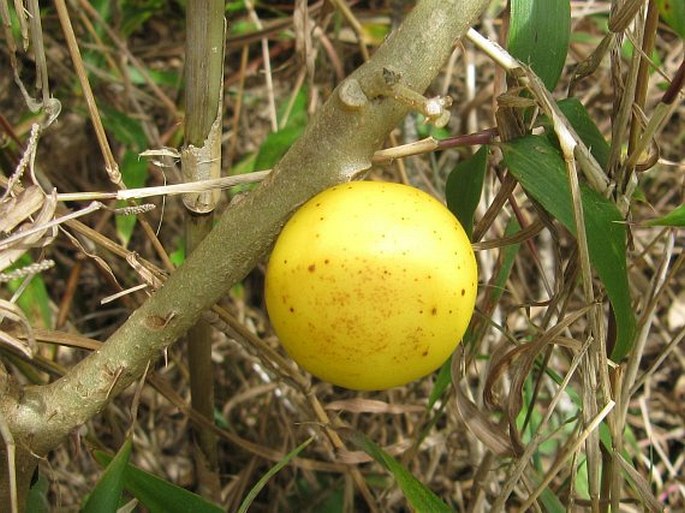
[[168, 190], [347, 13], [11, 449], [8, 241], [267, 67], [566, 134], [111, 165]]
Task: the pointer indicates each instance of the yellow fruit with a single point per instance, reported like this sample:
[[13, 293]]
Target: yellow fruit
[[371, 285]]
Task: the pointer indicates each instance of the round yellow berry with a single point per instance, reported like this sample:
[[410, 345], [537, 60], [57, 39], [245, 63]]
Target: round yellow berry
[[371, 285]]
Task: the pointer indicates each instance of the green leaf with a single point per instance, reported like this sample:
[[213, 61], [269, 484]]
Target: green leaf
[[275, 145], [464, 187], [37, 499], [106, 495], [539, 34], [628, 50], [673, 13], [125, 129], [581, 482], [135, 13], [421, 498], [34, 300], [374, 34], [178, 256], [246, 165], [158, 495], [424, 129], [295, 109], [93, 56], [551, 502], [134, 174], [334, 503], [325, 493], [239, 27], [164, 77], [443, 381], [540, 169], [133, 170], [674, 218], [586, 129], [235, 6], [252, 494], [505, 261]]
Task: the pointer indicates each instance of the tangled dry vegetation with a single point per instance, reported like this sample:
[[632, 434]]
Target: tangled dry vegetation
[[69, 293]]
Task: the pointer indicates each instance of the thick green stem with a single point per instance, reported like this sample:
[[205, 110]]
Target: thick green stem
[[204, 69], [201, 370], [201, 159], [337, 145]]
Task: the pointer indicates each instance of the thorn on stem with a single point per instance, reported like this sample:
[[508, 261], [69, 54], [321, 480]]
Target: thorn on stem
[[436, 110]]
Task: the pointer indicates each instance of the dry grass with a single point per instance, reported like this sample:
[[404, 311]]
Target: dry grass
[[266, 413]]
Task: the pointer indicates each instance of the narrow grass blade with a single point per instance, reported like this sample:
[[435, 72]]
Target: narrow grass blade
[[419, 496], [158, 495], [540, 169], [252, 494], [464, 187], [551, 502], [675, 218], [539, 35], [442, 381], [106, 495]]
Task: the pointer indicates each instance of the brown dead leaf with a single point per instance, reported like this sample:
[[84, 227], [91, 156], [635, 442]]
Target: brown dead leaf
[[17, 209], [518, 362], [494, 436], [14, 246], [361, 405], [11, 312]]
